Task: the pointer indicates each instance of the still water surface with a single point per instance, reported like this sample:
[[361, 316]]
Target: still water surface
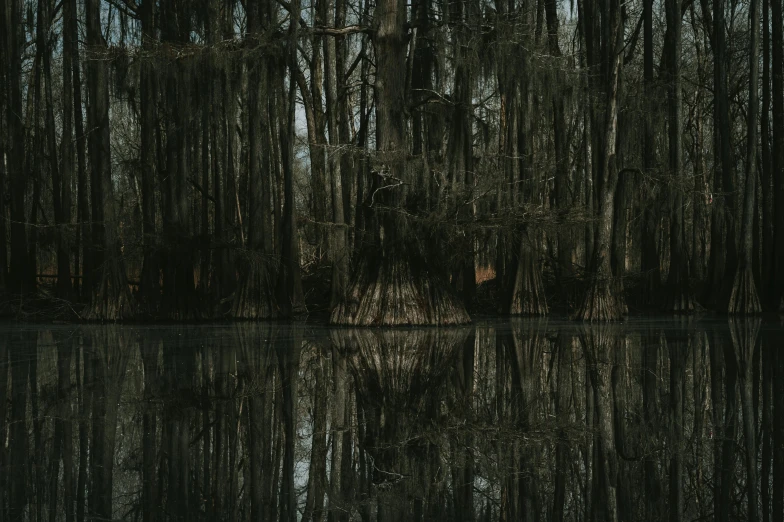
[[513, 420]]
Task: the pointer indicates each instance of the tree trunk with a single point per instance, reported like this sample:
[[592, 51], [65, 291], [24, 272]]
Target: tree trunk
[[179, 291], [777, 69], [743, 298], [255, 297], [111, 297], [392, 284], [337, 232], [61, 184], [150, 277], [767, 272], [3, 145], [290, 294], [723, 257], [19, 279], [679, 295], [83, 245], [604, 299]]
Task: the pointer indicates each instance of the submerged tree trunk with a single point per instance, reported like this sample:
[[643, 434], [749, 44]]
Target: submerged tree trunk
[[777, 69], [150, 277], [180, 300], [393, 285], [290, 294], [723, 253], [527, 290], [679, 299], [61, 179], [111, 297], [19, 277], [743, 297], [255, 296], [604, 299]]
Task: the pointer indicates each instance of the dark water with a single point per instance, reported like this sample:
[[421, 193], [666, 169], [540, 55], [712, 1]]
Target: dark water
[[520, 420]]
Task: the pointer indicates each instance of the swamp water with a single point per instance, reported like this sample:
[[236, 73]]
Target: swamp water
[[512, 420]]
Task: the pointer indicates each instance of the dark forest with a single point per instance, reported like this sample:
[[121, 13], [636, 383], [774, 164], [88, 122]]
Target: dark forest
[[388, 164]]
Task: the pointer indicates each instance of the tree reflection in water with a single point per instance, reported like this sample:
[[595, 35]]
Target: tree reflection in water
[[520, 420]]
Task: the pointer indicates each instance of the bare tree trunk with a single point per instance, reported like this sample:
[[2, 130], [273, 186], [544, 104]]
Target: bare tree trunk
[[337, 232], [767, 273], [777, 69], [679, 295], [392, 284], [255, 297], [723, 254], [111, 297], [3, 146], [61, 184], [604, 300], [290, 293], [19, 275], [743, 298], [179, 291], [83, 245], [150, 277]]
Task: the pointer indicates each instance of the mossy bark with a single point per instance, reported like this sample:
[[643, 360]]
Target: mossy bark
[[744, 299], [604, 299], [255, 295], [111, 297], [527, 295], [394, 292]]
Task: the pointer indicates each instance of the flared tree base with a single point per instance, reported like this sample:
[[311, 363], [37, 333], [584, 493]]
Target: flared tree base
[[254, 298], [679, 300], [390, 293], [112, 299], [743, 298], [603, 301], [528, 296]]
